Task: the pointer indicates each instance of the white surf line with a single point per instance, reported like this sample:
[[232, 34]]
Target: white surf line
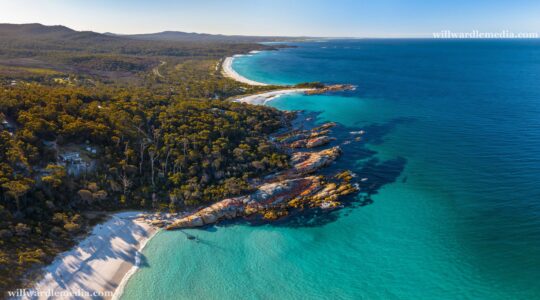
[[263, 98], [120, 289]]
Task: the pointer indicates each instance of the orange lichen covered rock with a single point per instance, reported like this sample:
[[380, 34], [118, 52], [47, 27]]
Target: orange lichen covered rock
[[318, 141], [309, 162], [267, 196]]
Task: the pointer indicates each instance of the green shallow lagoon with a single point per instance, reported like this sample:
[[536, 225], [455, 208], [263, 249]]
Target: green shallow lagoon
[[452, 159]]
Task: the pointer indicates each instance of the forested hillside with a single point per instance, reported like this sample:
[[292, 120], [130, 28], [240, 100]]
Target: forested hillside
[[38, 51], [92, 123]]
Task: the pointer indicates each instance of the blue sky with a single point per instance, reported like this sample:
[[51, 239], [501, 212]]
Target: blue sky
[[342, 18]]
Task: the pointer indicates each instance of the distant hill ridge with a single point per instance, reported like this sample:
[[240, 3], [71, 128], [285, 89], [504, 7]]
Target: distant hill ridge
[[30, 48], [181, 36], [43, 32], [55, 36]]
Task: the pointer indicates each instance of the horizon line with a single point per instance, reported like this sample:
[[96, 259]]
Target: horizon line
[[265, 35]]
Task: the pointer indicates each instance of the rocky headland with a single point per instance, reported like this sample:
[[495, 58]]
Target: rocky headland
[[330, 88], [291, 191]]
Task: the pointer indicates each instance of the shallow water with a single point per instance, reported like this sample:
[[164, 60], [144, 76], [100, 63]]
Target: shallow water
[[451, 207]]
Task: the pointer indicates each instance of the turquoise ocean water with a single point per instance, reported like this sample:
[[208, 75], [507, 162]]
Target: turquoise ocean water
[[451, 208]]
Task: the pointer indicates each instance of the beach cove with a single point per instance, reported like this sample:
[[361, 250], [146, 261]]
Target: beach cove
[[434, 219], [102, 264]]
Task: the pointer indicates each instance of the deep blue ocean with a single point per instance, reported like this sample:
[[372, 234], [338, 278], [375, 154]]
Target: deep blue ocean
[[451, 207]]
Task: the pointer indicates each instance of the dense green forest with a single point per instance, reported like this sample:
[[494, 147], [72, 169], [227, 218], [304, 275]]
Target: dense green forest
[[93, 123]]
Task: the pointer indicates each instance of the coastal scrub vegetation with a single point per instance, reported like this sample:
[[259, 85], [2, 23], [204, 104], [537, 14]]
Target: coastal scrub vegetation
[[98, 123]]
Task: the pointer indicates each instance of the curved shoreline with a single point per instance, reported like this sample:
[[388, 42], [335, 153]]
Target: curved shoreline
[[121, 286], [228, 71], [102, 263], [257, 99], [260, 98], [265, 97]]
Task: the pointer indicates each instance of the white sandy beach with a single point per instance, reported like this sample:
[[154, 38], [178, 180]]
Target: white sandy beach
[[98, 265], [257, 99], [263, 98], [231, 73]]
